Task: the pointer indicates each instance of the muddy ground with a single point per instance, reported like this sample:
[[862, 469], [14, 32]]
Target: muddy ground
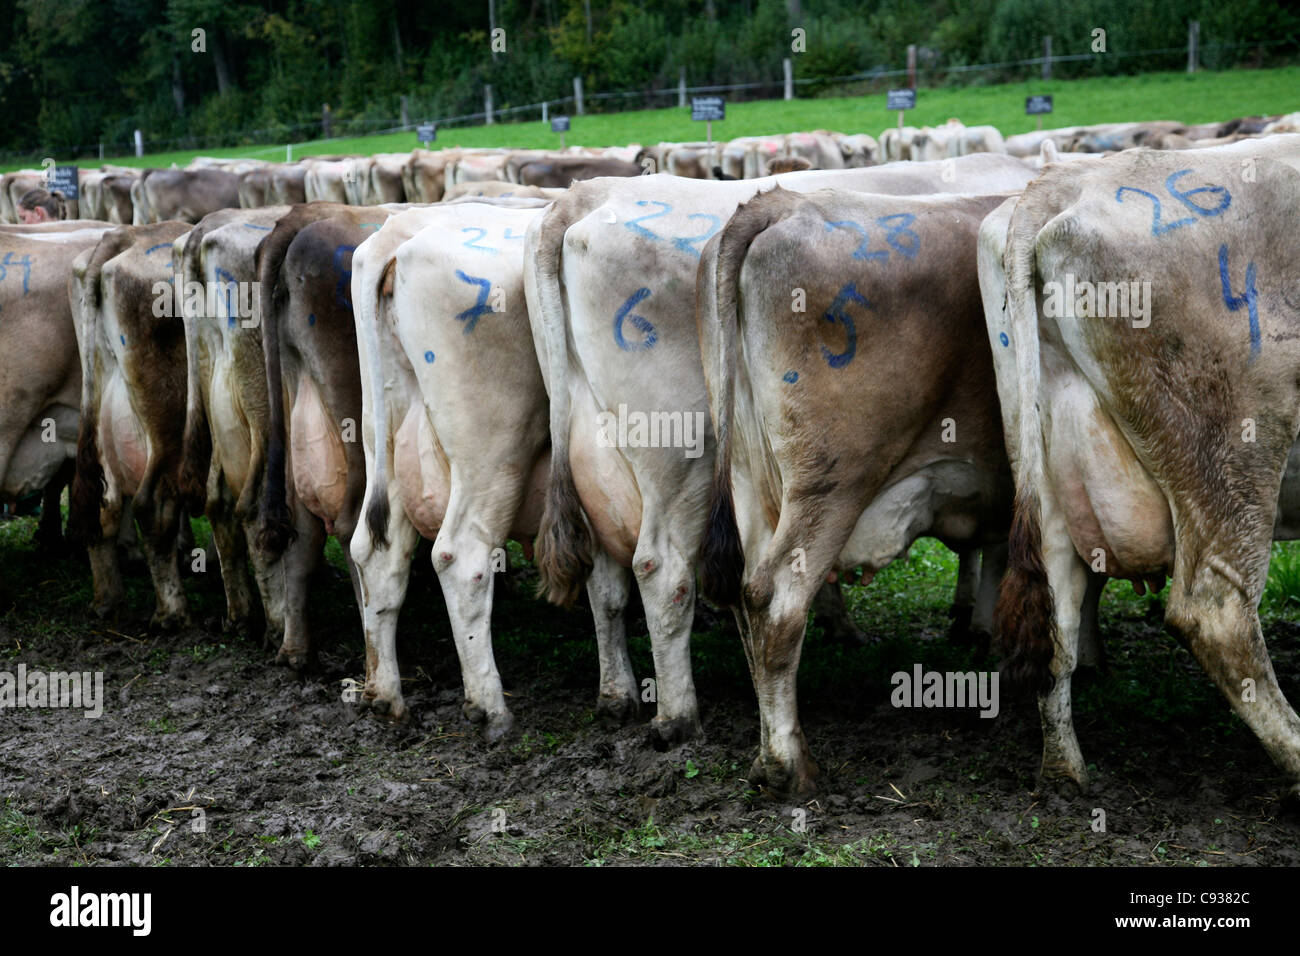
[[206, 753]]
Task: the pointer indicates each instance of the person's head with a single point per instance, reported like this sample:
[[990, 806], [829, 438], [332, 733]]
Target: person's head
[[37, 205]]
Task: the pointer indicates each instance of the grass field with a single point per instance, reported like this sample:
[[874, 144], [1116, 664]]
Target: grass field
[[1198, 98]]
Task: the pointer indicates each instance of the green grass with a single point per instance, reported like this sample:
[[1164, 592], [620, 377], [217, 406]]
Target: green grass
[[1198, 98]]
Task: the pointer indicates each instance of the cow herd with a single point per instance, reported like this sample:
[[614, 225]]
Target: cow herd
[[1067, 366]]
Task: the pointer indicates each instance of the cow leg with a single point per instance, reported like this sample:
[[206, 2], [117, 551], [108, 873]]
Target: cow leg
[[159, 524], [993, 564], [228, 536], [963, 601], [1091, 653], [268, 572], [49, 532], [106, 574], [1068, 577], [299, 561], [665, 574], [1218, 622], [384, 573], [463, 563], [830, 614], [608, 589], [127, 538]]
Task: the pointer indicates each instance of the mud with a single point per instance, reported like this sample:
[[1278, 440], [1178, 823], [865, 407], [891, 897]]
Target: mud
[[206, 753]]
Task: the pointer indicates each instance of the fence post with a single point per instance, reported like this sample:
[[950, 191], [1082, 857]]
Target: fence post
[[406, 116], [787, 65], [101, 152], [326, 121], [139, 143], [546, 108], [681, 87], [487, 102], [577, 95], [1193, 45], [1047, 58], [911, 65]]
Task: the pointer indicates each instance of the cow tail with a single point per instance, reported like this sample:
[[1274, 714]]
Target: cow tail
[[369, 288], [196, 446], [717, 316], [564, 538], [275, 524], [1024, 617]]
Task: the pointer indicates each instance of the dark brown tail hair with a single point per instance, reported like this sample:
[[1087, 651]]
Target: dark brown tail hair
[[717, 317]]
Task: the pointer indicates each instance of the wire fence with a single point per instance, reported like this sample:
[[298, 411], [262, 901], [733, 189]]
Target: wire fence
[[273, 138]]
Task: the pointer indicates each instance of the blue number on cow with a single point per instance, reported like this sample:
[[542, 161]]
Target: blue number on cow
[[25, 261], [480, 307], [473, 243], [1159, 228], [641, 230], [639, 322], [343, 290], [861, 252], [838, 312], [1248, 299], [892, 234], [687, 243]]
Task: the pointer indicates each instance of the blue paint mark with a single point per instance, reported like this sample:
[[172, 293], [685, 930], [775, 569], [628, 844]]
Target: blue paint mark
[[225, 278], [152, 249], [861, 252], [639, 322], [687, 243], [1182, 197], [1002, 337], [370, 225], [311, 319], [480, 308], [343, 290], [509, 230], [25, 261], [123, 339], [1248, 299], [892, 234], [837, 313], [263, 228], [790, 377], [428, 357], [473, 243], [641, 230], [1158, 228]]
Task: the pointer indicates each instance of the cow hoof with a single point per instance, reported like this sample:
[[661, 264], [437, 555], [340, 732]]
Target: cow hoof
[[168, 623], [777, 780], [959, 631], [107, 610], [396, 711], [297, 659], [1064, 781], [619, 710], [668, 733], [498, 727]]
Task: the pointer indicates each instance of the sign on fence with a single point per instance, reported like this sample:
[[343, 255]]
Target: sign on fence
[[559, 124], [706, 109], [427, 132], [63, 180], [1038, 105], [900, 100]]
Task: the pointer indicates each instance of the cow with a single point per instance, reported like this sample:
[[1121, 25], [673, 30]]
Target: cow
[[747, 157], [315, 468], [183, 194], [1153, 443], [494, 189], [254, 185], [801, 491], [323, 180], [132, 349], [976, 139], [1026, 145], [559, 171], [896, 143], [820, 148], [471, 167], [425, 174], [287, 185], [40, 381], [224, 448], [449, 461], [115, 198], [610, 283], [858, 150]]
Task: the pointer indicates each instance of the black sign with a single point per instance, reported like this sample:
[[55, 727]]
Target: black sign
[[708, 108], [900, 100], [62, 180], [559, 124], [426, 132], [1037, 105]]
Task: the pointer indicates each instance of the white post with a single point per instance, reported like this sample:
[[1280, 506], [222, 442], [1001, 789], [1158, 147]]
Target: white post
[[1193, 45], [577, 95], [788, 65], [1047, 58], [546, 112], [101, 152], [288, 152], [681, 88], [487, 102], [139, 143]]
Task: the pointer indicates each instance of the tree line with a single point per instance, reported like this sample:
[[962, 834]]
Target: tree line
[[75, 73]]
